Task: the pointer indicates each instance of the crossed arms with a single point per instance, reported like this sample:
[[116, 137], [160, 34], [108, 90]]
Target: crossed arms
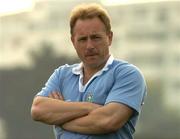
[[80, 117]]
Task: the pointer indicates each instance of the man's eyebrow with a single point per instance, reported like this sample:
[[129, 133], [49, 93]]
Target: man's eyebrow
[[92, 34], [83, 36], [97, 34]]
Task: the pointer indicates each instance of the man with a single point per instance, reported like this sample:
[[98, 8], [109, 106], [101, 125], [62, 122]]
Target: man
[[99, 98]]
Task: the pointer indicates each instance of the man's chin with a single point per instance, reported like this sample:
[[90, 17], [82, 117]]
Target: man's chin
[[93, 64]]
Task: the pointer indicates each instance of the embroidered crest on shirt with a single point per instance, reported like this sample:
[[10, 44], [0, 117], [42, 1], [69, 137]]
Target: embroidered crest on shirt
[[89, 98]]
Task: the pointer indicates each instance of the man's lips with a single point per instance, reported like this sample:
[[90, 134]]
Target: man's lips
[[92, 54]]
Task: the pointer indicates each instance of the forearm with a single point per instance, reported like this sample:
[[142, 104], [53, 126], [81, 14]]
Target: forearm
[[54, 111], [86, 125], [102, 120]]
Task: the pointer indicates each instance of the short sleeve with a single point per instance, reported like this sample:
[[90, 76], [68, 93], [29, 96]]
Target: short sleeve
[[53, 84], [129, 88]]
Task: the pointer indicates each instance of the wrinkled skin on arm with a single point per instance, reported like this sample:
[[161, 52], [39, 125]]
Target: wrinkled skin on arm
[[54, 110], [105, 119]]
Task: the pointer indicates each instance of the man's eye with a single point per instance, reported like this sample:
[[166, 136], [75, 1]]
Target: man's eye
[[96, 37], [82, 39]]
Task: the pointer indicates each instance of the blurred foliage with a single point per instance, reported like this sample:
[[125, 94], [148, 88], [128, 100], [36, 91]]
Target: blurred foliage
[[156, 120], [18, 87]]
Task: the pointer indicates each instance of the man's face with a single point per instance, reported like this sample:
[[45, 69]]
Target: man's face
[[91, 42]]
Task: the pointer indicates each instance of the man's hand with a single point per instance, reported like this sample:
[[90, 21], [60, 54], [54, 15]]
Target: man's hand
[[56, 95], [54, 110]]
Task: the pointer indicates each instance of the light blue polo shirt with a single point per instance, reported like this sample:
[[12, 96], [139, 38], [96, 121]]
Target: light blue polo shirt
[[118, 81]]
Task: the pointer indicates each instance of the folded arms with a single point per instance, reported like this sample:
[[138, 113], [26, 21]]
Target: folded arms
[[80, 117]]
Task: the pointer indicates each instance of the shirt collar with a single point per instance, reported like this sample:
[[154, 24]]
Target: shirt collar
[[78, 69]]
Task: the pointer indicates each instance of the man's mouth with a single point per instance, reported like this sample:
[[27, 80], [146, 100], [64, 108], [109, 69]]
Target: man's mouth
[[91, 54]]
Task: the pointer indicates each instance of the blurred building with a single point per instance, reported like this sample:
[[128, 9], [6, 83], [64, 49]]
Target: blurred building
[[148, 34], [145, 34]]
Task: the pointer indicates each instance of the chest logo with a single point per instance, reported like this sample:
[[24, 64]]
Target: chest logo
[[89, 98]]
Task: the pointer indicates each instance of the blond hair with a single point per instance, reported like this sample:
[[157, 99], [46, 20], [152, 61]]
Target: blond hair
[[88, 11]]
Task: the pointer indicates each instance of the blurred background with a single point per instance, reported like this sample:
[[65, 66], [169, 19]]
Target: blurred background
[[35, 39]]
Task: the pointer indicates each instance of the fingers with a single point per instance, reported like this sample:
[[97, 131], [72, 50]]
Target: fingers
[[56, 95], [60, 96]]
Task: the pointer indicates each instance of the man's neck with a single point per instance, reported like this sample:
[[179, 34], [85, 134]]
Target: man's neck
[[88, 71]]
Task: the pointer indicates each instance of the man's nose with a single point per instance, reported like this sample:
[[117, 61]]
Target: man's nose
[[90, 44]]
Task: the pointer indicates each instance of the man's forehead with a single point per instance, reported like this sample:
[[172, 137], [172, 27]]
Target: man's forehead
[[98, 33], [89, 25]]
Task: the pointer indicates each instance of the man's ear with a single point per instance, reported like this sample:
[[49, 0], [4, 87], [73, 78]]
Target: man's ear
[[110, 36], [72, 39]]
